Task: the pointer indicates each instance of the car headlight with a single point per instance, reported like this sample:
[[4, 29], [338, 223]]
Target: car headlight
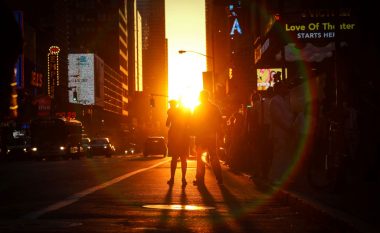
[[34, 149]]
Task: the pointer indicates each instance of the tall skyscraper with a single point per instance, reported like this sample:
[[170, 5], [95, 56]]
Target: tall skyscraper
[[155, 65], [100, 27], [218, 45], [135, 48]]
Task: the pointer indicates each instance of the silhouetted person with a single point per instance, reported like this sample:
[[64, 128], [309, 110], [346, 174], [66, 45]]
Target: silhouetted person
[[255, 121], [281, 132], [206, 123], [236, 151], [178, 139]]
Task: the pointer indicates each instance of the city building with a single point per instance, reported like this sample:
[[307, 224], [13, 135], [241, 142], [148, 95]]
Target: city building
[[53, 30], [100, 27], [155, 66], [43, 25], [135, 65], [306, 42], [228, 43]]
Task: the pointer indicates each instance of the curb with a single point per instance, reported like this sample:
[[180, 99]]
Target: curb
[[311, 206]]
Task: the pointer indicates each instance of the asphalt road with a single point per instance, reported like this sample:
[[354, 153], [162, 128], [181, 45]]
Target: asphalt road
[[130, 194]]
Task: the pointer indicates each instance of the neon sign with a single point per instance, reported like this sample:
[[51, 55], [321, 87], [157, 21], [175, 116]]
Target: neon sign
[[236, 28], [53, 70]]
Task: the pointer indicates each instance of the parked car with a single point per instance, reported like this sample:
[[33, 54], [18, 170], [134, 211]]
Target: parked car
[[101, 146], [155, 145], [15, 144], [18, 148], [86, 145], [130, 149]]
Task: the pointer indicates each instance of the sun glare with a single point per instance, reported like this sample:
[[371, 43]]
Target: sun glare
[[186, 79], [186, 31]]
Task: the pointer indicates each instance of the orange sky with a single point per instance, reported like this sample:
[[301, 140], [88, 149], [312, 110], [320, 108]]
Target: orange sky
[[185, 30]]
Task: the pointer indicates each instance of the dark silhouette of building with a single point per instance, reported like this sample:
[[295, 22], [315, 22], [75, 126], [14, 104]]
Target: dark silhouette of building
[[155, 62], [229, 43], [100, 27]]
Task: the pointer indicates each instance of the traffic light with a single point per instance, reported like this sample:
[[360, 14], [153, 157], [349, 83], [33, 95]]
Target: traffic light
[[207, 80], [152, 102], [75, 96]]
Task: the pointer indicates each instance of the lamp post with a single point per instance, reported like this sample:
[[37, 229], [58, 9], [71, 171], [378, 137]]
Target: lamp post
[[213, 66]]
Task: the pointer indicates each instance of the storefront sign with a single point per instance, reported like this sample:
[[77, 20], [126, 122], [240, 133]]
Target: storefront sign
[[43, 105], [260, 50], [36, 80], [67, 115]]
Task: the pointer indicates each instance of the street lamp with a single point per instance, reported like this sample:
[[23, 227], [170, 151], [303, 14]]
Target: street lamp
[[213, 66]]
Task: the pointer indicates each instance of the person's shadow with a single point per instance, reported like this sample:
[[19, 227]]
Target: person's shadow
[[180, 224], [217, 220], [167, 213], [240, 211]]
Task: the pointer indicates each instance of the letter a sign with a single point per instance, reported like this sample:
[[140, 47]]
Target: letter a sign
[[236, 28]]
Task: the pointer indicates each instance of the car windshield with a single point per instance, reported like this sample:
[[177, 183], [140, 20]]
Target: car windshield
[[100, 141], [86, 141]]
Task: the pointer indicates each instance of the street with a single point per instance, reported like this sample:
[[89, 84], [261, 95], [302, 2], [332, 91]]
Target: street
[[130, 194]]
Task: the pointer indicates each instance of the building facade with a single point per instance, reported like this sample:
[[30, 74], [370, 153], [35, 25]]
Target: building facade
[[155, 65], [100, 27], [229, 43]]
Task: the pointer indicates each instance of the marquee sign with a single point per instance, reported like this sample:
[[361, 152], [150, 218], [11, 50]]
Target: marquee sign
[[53, 70], [318, 30]]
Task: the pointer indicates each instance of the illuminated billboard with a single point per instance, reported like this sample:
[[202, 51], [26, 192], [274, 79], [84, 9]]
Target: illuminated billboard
[[266, 77], [81, 82]]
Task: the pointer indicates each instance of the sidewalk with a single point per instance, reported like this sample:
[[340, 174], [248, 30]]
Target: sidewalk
[[356, 205]]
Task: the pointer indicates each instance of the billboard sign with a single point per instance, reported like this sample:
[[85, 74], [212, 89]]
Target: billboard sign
[[43, 104], [81, 80], [266, 77]]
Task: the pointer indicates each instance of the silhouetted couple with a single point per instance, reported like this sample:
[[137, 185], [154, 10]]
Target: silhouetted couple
[[205, 124]]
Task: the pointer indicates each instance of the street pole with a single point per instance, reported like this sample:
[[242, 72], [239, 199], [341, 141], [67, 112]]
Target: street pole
[[213, 52]]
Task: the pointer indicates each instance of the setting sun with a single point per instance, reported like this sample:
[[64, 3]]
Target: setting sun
[[185, 81], [185, 24]]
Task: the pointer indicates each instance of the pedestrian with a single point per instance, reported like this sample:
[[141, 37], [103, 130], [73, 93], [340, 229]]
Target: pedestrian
[[206, 125], [255, 128], [178, 139], [281, 132], [236, 149]]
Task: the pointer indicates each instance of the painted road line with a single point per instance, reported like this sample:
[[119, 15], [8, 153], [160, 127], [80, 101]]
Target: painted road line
[[75, 197]]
